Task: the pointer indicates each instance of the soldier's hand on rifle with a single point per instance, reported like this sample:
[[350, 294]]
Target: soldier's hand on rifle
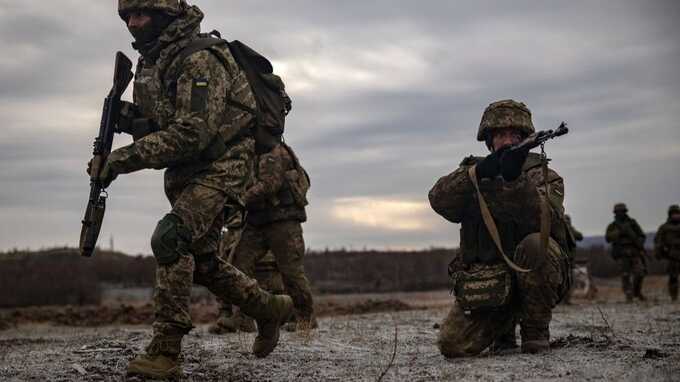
[[512, 162], [490, 167], [114, 165]]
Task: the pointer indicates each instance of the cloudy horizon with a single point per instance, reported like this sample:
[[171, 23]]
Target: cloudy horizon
[[387, 97]]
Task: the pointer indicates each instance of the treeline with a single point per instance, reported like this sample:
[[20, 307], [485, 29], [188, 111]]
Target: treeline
[[61, 277]]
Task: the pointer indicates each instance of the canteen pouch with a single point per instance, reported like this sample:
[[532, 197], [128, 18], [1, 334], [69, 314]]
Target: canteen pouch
[[482, 286]]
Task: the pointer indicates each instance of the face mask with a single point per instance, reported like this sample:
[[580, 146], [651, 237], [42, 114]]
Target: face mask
[[151, 30]]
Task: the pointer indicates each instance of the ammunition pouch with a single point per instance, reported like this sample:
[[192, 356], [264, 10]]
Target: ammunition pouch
[[170, 240], [482, 287], [297, 186]]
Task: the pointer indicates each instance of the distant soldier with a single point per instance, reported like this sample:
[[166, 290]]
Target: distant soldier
[[494, 288], [574, 237], [276, 210], [667, 246], [628, 249]]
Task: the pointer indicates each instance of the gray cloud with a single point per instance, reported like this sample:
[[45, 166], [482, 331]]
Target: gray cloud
[[387, 98]]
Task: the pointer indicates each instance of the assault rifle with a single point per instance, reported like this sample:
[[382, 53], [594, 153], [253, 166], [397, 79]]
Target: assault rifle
[[96, 204], [540, 137]]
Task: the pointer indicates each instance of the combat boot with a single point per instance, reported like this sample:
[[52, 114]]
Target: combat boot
[[506, 341], [269, 317], [637, 286], [535, 337], [161, 360]]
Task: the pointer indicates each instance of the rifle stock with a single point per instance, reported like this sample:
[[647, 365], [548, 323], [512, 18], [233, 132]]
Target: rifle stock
[[96, 204]]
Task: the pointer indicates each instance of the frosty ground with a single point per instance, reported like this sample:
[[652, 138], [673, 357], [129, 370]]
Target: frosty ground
[[597, 340]]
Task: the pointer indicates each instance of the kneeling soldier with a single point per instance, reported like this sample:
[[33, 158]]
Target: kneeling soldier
[[515, 274]]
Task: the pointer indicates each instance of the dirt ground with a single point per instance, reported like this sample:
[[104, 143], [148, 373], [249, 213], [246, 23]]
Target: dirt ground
[[592, 340]]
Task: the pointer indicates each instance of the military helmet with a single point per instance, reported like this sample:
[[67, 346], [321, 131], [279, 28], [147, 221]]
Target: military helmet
[[620, 207], [171, 7], [674, 209], [505, 114]]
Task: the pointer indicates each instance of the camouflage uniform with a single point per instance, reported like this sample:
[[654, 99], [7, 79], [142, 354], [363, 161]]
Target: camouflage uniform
[[201, 144], [667, 246], [515, 206], [274, 224], [267, 276], [627, 240]]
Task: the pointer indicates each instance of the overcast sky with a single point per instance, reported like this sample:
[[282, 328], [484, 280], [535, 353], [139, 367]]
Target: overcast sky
[[387, 98]]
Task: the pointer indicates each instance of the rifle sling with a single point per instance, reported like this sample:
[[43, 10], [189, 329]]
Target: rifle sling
[[490, 224], [545, 209]]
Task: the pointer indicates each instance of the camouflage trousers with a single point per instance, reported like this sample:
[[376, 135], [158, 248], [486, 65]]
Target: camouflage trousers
[[285, 241], [535, 294], [200, 209], [633, 270]]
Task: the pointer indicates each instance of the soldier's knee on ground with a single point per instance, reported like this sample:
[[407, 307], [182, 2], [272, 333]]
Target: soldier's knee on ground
[[459, 336], [170, 240]]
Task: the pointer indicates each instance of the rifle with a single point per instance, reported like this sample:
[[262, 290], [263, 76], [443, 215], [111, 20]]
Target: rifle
[[96, 204], [540, 138]]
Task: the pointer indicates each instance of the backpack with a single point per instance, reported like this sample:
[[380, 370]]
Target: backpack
[[273, 103]]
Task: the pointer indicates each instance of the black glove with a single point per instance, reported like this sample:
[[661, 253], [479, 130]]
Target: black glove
[[490, 167], [512, 162]]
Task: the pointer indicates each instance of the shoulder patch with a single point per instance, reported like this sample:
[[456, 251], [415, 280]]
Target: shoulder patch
[[199, 95]]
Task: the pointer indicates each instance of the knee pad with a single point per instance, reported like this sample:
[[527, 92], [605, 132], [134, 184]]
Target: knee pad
[[170, 240]]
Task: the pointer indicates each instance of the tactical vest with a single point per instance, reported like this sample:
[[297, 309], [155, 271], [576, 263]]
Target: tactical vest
[[671, 240], [284, 204], [476, 244], [626, 244]]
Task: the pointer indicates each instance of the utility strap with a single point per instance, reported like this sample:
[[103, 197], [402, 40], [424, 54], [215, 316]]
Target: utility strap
[[490, 224]]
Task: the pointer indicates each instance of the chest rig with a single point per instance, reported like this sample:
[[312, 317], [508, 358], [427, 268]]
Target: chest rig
[[153, 99]]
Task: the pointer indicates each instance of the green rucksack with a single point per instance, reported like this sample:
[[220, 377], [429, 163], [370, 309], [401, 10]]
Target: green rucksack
[[273, 103]]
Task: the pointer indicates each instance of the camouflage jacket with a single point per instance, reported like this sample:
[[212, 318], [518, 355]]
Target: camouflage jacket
[[626, 237], [186, 101], [667, 240], [270, 199], [515, 207]]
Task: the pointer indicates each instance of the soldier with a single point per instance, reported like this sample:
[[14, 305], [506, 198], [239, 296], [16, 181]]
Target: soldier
[[628, 243], [490, 297], [181, 122], [276, 210], [269, 278], [667, 246], [575, 236]]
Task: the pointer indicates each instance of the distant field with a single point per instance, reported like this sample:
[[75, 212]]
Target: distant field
[[61, 277]]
